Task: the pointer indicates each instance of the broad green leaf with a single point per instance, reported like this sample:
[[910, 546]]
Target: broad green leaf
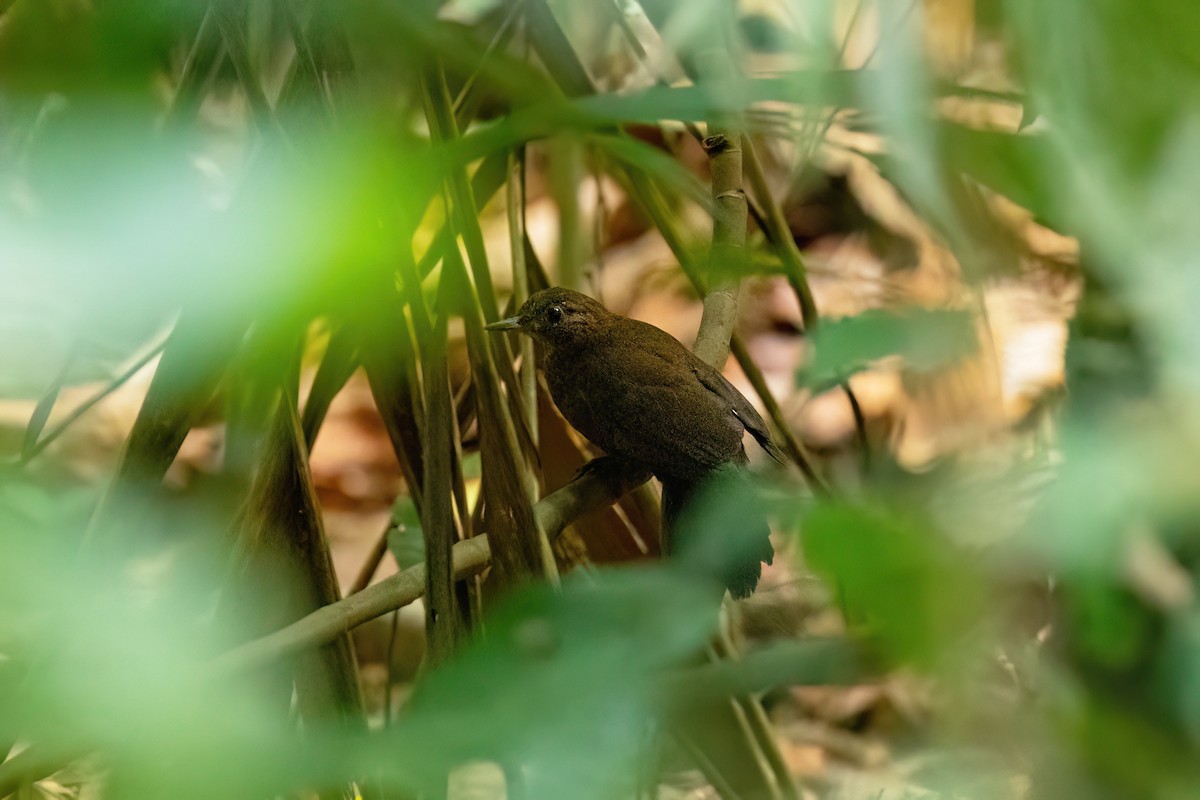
[[564, 680], [925, 340], [896, 576]]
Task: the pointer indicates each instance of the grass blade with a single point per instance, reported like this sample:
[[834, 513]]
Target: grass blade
[[445, 608]]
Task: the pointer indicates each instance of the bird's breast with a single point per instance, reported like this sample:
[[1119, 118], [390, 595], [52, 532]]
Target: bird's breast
[[579, 382]]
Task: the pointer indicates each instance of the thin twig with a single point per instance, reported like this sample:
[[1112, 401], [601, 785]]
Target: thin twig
[[328, 622], [589, 492], [728, 243], [87, 405], [778, 233], [791, 444], [391, 660], [230, 26], [45, 405], [860, 424], [374, 559], [727, 259], [499, 42], [203, 59]]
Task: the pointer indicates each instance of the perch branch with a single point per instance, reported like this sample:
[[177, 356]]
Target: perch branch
[[554, 512]]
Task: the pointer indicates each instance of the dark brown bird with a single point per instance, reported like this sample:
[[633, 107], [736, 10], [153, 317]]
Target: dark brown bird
[[640, 395]]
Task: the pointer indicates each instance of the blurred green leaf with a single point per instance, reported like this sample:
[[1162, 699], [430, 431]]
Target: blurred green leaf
[[1018, 166], [722, 529], [925, 339], [897, 576], [653, 106], [654, 163], [555, 670], [472, 466], [118, 231], [407, 543]]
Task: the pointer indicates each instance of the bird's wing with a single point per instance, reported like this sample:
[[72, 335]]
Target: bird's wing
[[655, 410], [665, 346], [753, 422]]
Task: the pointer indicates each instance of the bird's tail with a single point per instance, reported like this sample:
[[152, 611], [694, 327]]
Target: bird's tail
[[719, 531]]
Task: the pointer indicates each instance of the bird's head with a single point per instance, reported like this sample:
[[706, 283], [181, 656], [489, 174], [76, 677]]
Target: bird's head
[[558, 316]]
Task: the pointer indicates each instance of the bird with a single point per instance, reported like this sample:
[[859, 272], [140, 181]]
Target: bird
[[640, 396]]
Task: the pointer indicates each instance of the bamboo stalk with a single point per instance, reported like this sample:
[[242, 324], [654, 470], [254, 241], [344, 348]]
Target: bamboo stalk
[[728, 241]]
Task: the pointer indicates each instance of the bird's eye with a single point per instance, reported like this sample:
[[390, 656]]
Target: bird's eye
[[554, 314]]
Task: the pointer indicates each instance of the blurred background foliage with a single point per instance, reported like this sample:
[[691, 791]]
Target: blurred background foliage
[[278, 519]]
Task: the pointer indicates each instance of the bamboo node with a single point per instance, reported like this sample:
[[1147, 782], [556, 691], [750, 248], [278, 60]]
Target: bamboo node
[[715, 144]]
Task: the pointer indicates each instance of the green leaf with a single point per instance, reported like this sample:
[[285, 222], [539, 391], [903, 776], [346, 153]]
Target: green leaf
[[654, 163], [471, 466], [653, 105], [555, 668], [925, 339], [896, 576], [406, 539], [407, 543], [1017, 166]]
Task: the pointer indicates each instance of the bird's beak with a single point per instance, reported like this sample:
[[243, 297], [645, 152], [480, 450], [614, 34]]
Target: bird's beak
[[510, 324]]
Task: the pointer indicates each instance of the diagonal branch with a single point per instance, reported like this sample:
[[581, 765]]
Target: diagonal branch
[[591, 491]]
